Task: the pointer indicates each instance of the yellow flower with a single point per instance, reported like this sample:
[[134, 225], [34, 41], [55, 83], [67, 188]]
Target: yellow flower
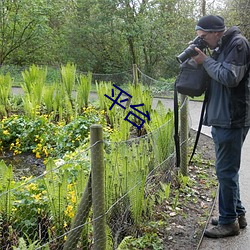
[[37, 196], [45, 151], [6, 132], [14, 209], [38, 156], [17, 152], [73, 199], [69, 211], [31, 187]]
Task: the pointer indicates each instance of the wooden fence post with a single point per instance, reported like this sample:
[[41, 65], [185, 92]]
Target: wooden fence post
[[98, 195], [184, 135], [135, 74], [80, 218]]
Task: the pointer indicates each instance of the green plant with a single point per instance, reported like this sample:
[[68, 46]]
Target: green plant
[[147, 241], [68, 74], [141, 95], [48, 98], [164, 191], [30, 207], [6, 196], [5, 90], [103, 88], [34, 81], [44, 137], [176, 199], [83, 91], [161, 126], [184, 181], [126, 171], [23, 246], [56, 187]]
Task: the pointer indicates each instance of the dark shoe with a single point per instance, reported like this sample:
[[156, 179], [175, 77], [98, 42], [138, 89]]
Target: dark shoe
[[221, 231], [241, 219]]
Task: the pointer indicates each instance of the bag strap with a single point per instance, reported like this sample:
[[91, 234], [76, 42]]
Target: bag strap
[[176, 126], [199, 127]]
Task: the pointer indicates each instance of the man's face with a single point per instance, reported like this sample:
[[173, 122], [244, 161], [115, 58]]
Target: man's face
[[211, 38]]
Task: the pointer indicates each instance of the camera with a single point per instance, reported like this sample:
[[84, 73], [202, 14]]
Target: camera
[[190, 51]]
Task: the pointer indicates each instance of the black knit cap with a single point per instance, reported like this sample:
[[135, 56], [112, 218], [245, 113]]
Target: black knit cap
[[210, 23]]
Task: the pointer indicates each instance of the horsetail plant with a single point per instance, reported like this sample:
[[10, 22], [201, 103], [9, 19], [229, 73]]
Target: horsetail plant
[[141, 95], [115, 114], [68, 74], [126, 172], [103, 88], [48, 98], [33, 85], [6, 184], [161, 126], [56, 184], [83, 90], [5, 89]]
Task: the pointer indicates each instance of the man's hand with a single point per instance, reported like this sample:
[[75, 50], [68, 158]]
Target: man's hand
[[200, 58]]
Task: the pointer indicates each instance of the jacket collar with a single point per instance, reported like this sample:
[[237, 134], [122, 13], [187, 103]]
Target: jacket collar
[[231, 32]]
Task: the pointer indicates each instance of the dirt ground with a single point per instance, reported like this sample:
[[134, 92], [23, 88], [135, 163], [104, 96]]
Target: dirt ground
[[187, 222]]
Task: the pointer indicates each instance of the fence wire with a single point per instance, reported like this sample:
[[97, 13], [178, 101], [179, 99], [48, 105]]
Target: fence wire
[[44, 210]]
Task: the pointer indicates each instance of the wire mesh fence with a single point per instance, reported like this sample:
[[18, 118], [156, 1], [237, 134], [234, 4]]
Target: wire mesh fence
[[55, 210], [159, 87], [41, 210]]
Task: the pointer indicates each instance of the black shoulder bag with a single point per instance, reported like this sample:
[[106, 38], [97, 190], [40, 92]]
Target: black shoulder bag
[[191, 81]]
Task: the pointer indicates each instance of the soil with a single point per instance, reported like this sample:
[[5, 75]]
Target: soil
[[186, 223], [25, 164]]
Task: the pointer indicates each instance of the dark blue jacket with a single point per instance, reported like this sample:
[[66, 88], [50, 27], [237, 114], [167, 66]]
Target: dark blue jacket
[[228, 103]]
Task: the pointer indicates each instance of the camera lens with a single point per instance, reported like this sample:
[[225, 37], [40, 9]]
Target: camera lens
[[187, 53]]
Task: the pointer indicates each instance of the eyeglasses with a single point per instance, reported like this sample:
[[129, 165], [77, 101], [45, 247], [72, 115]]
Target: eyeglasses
[[203, 36]]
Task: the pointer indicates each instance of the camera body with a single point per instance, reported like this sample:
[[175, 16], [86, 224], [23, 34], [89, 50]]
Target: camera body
[[190, 51]]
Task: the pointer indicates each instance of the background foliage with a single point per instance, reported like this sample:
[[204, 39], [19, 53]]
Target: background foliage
[[106, 36]]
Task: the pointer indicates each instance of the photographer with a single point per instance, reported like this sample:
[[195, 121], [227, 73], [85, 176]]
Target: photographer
[[228, 112]]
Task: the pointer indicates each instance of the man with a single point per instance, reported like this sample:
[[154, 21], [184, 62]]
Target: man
[[228, 112]]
